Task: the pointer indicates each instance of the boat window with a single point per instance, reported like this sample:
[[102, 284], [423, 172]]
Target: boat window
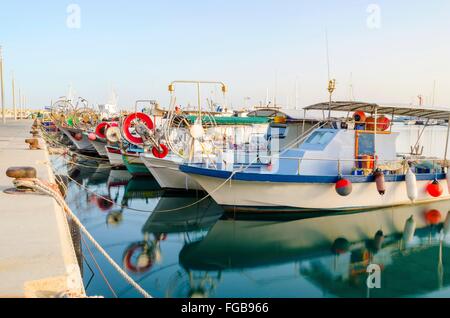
[[320, 138], [279, 132], [366, 144]]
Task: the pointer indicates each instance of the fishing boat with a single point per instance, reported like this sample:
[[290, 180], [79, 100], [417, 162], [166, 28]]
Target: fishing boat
[[340, 165], [229, 132], [115, 156], [133, 162], [78, 138]]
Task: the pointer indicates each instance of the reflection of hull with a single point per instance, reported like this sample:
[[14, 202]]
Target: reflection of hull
[[142, 188], [118, 178], [134, 165], [83, 144], [100, 147], [168, 174], [115, 156], [254, 191], [248, 244], [200, 216]]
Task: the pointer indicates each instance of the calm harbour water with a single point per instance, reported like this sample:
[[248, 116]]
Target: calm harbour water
[[199, 252]]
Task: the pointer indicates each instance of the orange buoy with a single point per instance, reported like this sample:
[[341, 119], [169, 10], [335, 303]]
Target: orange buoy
[[380, 181], [78, 136], [435, 189], [344, 187], [359, 117], [433, 217], [383, 123]]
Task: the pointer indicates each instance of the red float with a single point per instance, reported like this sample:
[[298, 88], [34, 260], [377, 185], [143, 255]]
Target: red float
[[104, 204], [78, 136], [128, 122], [383, 123], [435, 189], [433, 217], [160, 154]]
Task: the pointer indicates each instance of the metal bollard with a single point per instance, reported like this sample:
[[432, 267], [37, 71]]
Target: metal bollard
[[20, 173], [34, 143]]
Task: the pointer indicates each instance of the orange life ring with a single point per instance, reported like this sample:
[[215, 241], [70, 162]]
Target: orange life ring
[[359, 117], [127, 258], [127, 123]]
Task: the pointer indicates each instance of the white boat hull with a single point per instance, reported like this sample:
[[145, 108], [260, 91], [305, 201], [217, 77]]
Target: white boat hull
[[83, 144], [115, 159], [277, 196], [168, 175], [100, 147]]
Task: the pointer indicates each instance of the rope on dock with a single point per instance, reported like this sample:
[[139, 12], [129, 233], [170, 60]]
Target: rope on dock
[[42, 187]]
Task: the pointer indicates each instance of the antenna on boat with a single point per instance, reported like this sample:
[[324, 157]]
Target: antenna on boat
[[331, 82], [352, 97], [434, 94]]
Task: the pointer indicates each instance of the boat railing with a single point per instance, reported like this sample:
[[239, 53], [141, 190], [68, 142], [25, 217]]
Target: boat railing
[[368, 165]]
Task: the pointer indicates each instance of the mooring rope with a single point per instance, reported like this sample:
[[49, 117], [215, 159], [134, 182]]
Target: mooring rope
[[41, 187]]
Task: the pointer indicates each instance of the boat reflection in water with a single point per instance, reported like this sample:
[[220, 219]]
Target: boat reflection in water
[[332, 253]]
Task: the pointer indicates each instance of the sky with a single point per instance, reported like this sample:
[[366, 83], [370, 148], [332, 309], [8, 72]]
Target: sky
[[388, 51]]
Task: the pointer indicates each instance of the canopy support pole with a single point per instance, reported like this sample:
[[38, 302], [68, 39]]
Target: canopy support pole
[[446, 142]]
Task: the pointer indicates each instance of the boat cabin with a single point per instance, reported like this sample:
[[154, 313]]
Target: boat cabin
[[285, 126], [355, 145]]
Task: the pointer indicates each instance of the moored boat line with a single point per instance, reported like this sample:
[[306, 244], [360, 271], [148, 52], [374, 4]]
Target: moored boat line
[[272, 159]]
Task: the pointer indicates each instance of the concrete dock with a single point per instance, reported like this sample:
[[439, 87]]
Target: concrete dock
[[37, 256]]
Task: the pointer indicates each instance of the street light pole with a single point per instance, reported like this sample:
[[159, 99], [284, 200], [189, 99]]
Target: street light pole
[[2, 93], [14, 96]]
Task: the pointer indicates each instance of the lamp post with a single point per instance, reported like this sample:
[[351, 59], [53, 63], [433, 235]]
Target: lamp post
[[14, 97], [2, 93]]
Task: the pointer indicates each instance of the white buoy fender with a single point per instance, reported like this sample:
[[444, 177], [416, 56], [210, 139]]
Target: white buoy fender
[[411, 185], [410, 229]]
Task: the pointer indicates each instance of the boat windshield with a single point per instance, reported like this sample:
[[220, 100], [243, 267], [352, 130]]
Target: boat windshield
[[320, 138]]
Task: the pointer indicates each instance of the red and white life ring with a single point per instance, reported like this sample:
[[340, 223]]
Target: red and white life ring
[[127, 124], [160, 154], [102, 128]]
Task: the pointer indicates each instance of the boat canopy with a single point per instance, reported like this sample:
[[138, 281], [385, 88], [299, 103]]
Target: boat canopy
[[292, 115], [232, 120], [393, 110]]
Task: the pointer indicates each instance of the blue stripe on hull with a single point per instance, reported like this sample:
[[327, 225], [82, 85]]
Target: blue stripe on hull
[[260, 177]]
